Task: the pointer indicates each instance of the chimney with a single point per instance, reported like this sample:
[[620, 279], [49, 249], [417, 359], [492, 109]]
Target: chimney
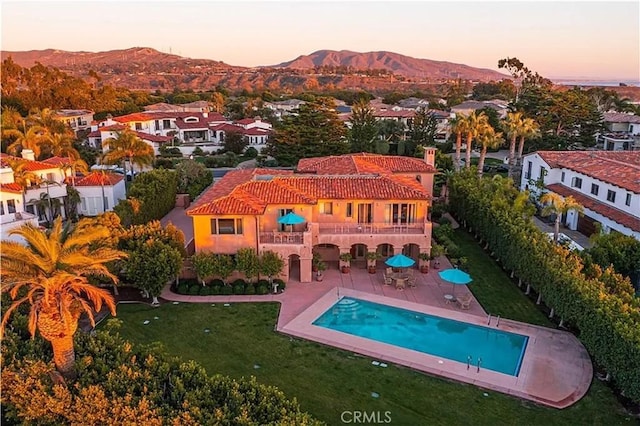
[[430, 155], [205, 114], [28, 154]]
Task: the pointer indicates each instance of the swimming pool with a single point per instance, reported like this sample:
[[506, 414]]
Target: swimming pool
[[498, 350]]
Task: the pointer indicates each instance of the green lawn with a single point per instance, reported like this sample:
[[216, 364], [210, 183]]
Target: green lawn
[[492, 286], [327, 381]]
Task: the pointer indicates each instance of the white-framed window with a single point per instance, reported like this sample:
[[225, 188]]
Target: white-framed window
[[326, 207], [1, 208], [562, 177], [611, 196], [627, 201], [226, 226], [349, 212], [595, 189]]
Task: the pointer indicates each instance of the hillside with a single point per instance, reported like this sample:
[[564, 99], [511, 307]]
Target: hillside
[[148, 69], [398, 64]]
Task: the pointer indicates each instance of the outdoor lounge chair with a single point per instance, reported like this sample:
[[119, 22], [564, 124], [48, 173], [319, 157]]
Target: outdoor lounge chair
[[464, 301]]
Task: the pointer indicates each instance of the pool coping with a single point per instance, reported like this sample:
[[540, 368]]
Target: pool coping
[[556, 370]]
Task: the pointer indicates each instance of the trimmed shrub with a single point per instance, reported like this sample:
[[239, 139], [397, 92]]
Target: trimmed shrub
[[239, 281], [264, 283], [205, 291], [250, 289], [182, 288], [216, 290], [194, 290], [261, 289], [226, 290], [238, 289]]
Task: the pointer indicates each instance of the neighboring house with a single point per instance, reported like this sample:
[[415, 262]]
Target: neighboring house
[[467, 107], [197, 106], [99, 192], [622, 132], [77, 119], [47, 199], [283, 108], [605, 183], [351, 204], [12, 214]]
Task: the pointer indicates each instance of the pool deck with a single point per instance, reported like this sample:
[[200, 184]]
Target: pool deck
[[556, 369]]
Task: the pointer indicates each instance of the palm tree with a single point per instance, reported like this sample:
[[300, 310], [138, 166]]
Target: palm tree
[[60, 144], [53, 267], [555, 204], [459, 126], [487, 138], [28, 138], [512, 125], [21, 174], [74, 166], [127, 146], [530, 130], [477, 123], [46, 119]]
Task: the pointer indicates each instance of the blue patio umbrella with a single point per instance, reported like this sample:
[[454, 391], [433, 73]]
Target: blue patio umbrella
[[400, 261], [456, 277], [291, 218]]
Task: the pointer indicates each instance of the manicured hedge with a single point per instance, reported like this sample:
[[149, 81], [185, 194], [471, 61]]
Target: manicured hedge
[[600, 303]]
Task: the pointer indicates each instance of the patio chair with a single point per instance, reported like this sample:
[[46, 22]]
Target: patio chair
[[411, 281], [464, 301], [387, 279]]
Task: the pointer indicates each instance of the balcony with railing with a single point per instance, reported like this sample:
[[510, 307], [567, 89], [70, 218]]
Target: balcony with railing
[[279, 238], [371, 228]]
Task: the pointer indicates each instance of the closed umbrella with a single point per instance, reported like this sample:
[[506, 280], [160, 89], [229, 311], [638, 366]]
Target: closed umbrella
[[456, 277]]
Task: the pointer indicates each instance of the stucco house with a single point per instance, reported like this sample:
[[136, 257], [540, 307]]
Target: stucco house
[[354, 203], [605, 183]]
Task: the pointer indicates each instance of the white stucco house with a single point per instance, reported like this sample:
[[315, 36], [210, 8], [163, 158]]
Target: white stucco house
[[100, 192], [605, 183], [12, 214], [622, 132]]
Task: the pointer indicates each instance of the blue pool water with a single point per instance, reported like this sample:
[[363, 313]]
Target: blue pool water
[[500, 351]]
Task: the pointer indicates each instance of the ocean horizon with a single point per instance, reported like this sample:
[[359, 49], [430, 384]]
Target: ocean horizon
[[586, 82]]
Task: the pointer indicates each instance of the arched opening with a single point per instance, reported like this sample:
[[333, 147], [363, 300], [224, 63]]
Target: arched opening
[[385, 250], [359, 255], [294, 267], [329, 254]]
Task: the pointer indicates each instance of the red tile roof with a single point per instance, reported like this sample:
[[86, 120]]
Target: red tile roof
[[112, 128], [246, 121], [394, 114], [32, 166], [57, 161], [99, 179], [599, 207], [249, 191], [620, 117], [255, 131], [228, 128], [95, 134], [619, 168], [153, 138], [11, 187], [363, 163]]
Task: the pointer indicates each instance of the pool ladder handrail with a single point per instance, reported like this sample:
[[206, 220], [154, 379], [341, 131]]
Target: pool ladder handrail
[[498, 322], [469, 358], [489, 319], [479, 362]]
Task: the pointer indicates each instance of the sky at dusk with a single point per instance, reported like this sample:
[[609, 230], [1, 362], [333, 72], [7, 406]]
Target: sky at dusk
[[559, 39]]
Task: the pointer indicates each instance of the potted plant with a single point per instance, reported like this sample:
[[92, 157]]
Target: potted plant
[[345, 262], [320, 272], [424, 262], [315, 261], [436, 251], [372, 258]]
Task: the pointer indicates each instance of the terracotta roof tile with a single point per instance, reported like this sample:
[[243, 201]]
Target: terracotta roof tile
[[619, 168], [250, 191], [153, 138], [57, 161], [11, 187], [95, 134], [620, 117], [598, 206], [32, 166], [363, 163], [112, 128], [99, 179]]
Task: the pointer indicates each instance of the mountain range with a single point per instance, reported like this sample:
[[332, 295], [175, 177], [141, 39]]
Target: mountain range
[[148, 69]]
